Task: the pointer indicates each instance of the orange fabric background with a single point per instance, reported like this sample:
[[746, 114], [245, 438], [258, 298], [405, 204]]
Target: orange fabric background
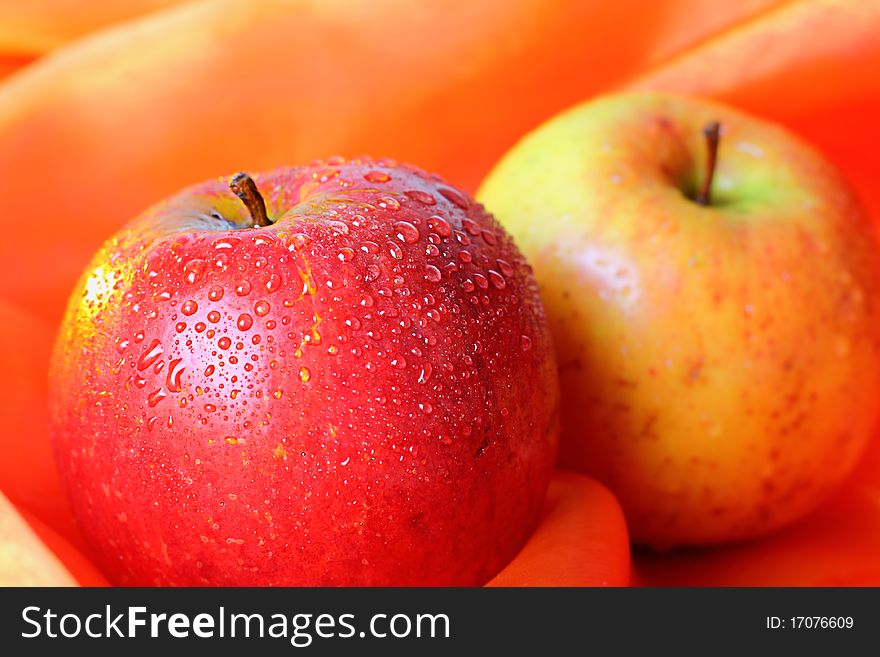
[[103, 125]]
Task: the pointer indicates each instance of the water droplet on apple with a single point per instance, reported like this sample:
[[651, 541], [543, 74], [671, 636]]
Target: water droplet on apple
[[432, 274], [215, 293], [454, 197], [440, 226], [489, 237], [230, 440], [180, 327], [505, 267], [432, 251], [209, 370], [406, 232], [155, 397], [175, 372], [345, 254], [389, 203], [373, 273], [189, 307], [243, 288], [395, 251], [525, 342], [194, 270], [154, 350], [496, 279], [422, 197], [262, 308], [273, 283], [376, 177], [426, 408], [221, 261], [323, 175], [214, 316], [471, 226], [304, 374], [298, 241], [426, 372], [481, 281], [244, 322], [337, 227], [465, 256], [226, 242], [224, 342]]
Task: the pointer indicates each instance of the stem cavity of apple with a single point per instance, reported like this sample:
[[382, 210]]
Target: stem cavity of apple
[[712, 132], [244, 187]]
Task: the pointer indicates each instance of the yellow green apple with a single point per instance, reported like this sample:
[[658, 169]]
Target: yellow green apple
[[715, 322]]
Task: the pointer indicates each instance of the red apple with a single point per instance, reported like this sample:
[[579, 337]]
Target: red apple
[[355, 386]]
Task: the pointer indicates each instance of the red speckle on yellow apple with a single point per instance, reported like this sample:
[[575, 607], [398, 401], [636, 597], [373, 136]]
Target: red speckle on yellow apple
[[718, 358]]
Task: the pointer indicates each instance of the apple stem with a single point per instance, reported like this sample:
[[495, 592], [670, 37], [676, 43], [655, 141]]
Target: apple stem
[[712, 132], [244, 187]]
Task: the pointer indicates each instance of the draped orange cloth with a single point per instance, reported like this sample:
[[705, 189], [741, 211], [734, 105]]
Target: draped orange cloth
[[108, 107]]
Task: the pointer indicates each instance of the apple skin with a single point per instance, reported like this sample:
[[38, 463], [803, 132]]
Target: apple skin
[[362, 393], [719, 364]]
